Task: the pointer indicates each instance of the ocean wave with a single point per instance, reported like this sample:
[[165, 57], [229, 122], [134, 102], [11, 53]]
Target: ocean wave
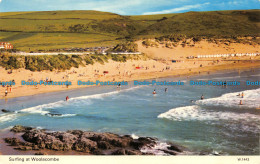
[[101, 95], [60, 115], [251, 99], [42, 109], [195, 112], [7, 117], [96, 96], [157, 149]]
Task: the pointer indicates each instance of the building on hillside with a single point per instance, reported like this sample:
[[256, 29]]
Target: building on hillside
[[6, 46]]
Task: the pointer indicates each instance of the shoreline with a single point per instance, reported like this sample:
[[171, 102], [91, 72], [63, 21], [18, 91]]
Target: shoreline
[[152, 75], [233, 72]]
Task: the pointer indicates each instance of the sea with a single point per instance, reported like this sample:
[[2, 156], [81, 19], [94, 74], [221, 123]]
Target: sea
[[215, 125]]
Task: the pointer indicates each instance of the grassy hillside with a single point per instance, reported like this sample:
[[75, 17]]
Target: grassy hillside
[[59, 29], [60, 62], [209, 24]]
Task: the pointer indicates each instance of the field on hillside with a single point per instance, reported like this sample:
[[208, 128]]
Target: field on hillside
[[65, 29], [45, 41]]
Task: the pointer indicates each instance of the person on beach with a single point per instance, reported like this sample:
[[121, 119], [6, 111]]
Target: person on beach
[[154, 92], [202, 97], [119, 85], [6, 92], [67, 98]]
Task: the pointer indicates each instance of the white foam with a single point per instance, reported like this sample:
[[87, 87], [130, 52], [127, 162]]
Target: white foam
[[156, 149], [62, 115], [251, 99], [101, 95], [7, 117], [197, 113], [96, 96], [40, 108], [134, 136]]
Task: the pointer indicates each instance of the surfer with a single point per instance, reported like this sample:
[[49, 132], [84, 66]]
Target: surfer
[[202, 97], [154, 92], [67, 98]]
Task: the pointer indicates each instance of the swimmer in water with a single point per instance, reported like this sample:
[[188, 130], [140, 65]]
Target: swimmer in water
[[119, 85], [202, 97], [67, 98], [166, 90], [240, 103], [242, 95], [154, 92]]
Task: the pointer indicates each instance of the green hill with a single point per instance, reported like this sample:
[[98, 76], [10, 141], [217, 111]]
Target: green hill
[[59, 29]]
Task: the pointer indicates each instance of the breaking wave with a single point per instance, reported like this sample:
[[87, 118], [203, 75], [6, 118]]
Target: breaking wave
[[251, 99], [43, 109]]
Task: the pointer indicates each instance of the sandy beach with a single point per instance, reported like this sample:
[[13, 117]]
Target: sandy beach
[[159, 65]]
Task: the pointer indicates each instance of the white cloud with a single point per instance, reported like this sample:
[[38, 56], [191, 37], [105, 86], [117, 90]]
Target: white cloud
[[183, 8]]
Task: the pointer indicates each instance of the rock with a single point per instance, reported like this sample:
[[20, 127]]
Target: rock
[[34, 136], [67, 139], [19, 129], [104, 145], [142, 141], [51, 142], [35, 147], [88, 142], [40, 153], [53, 114], [119, 152], [24, 148], [5, 111], [85, 145], [77, 133], [13, 141], [133, 152], [174, 148], [97, 152], [170, 152], [112, 139]]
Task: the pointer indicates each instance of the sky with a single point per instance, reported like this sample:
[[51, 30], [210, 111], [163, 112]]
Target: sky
[[129, 7]]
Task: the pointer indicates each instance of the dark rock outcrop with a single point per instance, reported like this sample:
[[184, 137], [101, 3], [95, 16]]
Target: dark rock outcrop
[[19, 129], [86, 142], [5, 111]]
